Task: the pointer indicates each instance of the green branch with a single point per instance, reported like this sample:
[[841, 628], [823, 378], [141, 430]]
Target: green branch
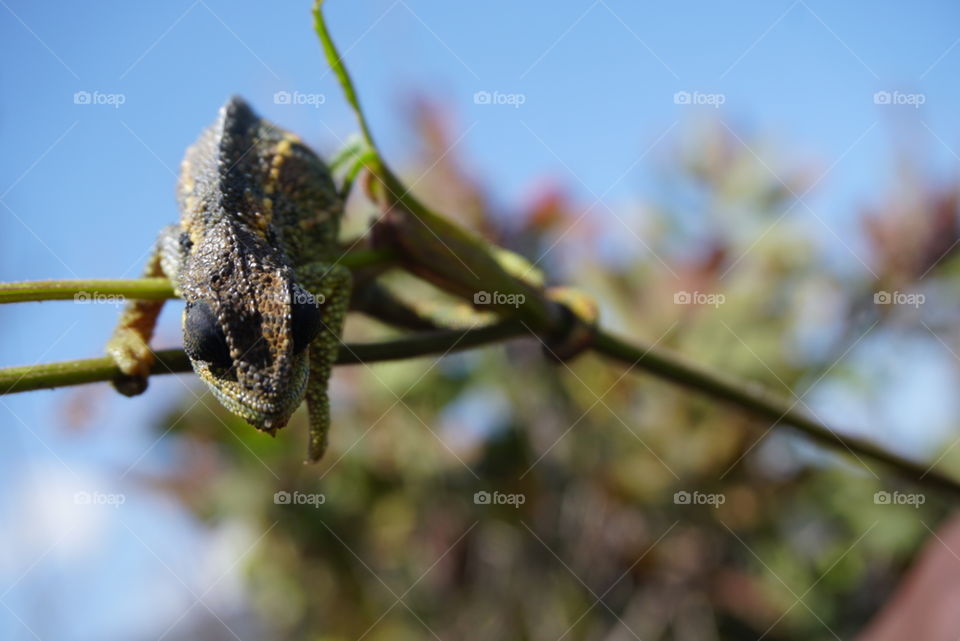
[[113, 290], [431, 246], [173, 361], [86, 291], [762, 403], [435, 248]]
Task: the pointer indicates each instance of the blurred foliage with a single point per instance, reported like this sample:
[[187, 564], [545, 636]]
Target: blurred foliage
[[600, 547]]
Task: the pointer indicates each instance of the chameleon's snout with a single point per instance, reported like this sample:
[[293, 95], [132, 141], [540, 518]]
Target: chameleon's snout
[[266, 411], [272, 424]]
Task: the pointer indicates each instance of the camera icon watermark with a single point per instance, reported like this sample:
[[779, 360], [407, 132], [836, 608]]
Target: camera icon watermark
[[498, 498], [283, 497], [99, 98], [683, 497], [499, 98], [882, 497], [99, 498], [86, 298], [899, 98], [303, 297], [299, 98], [699, 98], [698, 298], [498, 298], [898, 298]]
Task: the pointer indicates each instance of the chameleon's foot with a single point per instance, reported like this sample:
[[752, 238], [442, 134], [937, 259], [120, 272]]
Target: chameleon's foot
[[134, 358]]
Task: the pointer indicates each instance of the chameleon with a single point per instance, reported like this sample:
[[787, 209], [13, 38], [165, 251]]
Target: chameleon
[[254, 257]]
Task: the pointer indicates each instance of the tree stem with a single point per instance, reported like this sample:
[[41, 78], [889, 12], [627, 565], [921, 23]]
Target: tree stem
[[86, 291], [762, 403], [115, 290], [172, 361]]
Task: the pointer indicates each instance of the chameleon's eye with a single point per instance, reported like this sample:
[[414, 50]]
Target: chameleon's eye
[[203, 338], [305, 323]]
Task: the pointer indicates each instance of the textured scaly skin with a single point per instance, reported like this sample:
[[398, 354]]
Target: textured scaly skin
[[259, 218]]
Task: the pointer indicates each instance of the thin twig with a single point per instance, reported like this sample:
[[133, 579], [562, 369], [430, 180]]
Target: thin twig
[[108, 290], [761, 402], [86, 291], [173, 361], [750, 397]]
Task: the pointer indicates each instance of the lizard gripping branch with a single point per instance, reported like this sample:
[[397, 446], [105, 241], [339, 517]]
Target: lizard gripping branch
[[439, 251]]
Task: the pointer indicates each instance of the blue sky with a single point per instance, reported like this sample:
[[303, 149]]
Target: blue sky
[[85, 187]]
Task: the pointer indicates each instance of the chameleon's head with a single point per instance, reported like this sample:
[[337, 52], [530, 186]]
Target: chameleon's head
[[247, 325]]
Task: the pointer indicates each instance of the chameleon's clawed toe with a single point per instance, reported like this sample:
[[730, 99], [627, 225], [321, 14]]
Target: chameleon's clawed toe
[[134, 358], [130, 385]]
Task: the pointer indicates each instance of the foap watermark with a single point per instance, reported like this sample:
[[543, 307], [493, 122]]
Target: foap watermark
[[299, 98], [303, 297], [898, 298], [698, 298], [899, 98], [99, 98], [298, 296], [99, 498], [299, 498], [498, 298], [699, 98], [684, 497], [86, 298], [498, 498], [882, 497], [499, 98]]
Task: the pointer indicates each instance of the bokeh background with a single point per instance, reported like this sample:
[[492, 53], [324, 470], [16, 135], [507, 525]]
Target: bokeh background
[[788, 167]]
